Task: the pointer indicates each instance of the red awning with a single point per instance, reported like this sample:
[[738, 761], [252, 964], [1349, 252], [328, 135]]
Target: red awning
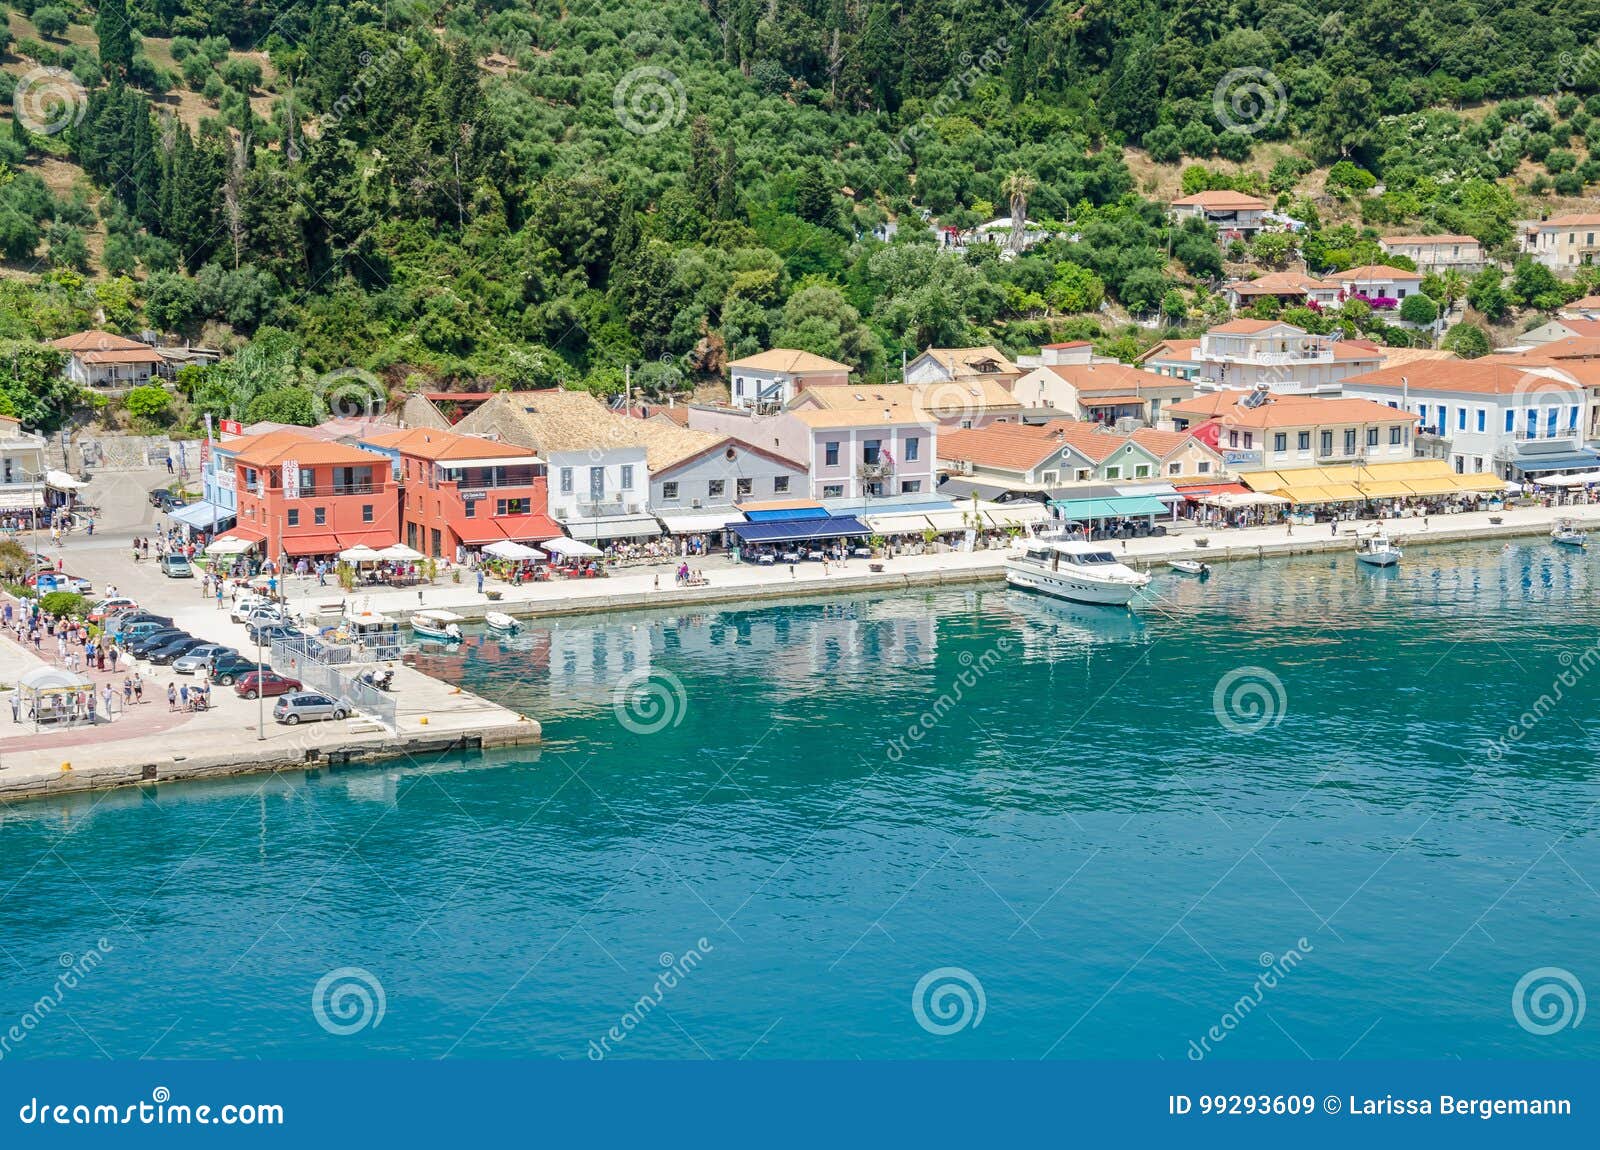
[[1197, 493], [240, 531], [377, 540], [310, 544], [517, 528]]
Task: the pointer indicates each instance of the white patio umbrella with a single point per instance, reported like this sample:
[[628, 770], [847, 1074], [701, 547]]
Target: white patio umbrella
[[359, 554], [229, 545], [510, 549], [570, 548], [400, 553]]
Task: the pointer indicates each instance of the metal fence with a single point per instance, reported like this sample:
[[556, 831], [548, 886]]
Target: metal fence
[[295, 658]]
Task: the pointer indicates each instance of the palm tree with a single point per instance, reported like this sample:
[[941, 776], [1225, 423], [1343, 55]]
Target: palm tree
[[1016, 188]]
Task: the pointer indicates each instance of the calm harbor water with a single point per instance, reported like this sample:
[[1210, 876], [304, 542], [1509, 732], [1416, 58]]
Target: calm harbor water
[[1282, 803]]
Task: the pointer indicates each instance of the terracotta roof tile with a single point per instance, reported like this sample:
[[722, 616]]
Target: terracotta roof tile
[[1481, 376]]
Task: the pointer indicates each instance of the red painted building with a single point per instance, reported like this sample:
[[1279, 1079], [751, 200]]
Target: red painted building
[[303, 496], [462, 492]]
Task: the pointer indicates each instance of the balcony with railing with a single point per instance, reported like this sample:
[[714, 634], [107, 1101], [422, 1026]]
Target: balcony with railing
[[592, 509]]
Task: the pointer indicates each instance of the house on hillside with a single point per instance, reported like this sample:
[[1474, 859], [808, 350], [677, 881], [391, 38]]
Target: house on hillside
[[1436, 253], [1378, 284], [1249, 353], [1291, 289], [1586, 308], [1232, 212], [1559, 329], [959, 364], [1561, 243], [107, 362], [769, 379]]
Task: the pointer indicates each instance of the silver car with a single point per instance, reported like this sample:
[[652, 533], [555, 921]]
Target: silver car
[[308, 705], [198, 661]]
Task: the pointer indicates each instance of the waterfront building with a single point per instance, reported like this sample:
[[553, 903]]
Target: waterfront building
[[107, 362], [1105, 392], [973, 402], [1250, 353], [1515, 416], [463, 492], [22, 471], [770, 379], [303, 496], [1261, 429], [696, 483]]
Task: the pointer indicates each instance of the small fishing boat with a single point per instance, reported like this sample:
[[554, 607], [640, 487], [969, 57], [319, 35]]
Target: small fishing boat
[[1189, 566], [1377, 550], [500, 623], [442, 625], [1567, 533]]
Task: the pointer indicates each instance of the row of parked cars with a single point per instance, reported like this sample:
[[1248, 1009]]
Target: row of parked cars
[[156, 640]]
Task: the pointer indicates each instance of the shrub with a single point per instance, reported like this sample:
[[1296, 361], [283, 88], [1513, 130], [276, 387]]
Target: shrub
[[65, 603]]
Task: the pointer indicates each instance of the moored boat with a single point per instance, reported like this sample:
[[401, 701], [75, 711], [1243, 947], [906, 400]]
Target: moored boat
[[1377, 550], [1567, 533], [1189, 566], [436, 624], [501, 623], [1069, 569]]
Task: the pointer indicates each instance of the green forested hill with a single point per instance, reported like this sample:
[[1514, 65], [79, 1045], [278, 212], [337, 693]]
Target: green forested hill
[[527, 191]]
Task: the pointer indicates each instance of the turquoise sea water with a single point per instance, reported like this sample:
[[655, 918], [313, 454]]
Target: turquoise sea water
[[1068, 808]]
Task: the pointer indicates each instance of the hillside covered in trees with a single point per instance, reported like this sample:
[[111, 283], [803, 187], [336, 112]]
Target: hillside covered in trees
[[529, 192]]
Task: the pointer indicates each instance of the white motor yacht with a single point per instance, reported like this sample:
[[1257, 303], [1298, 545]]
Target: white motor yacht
[[1070, 569], [1377, 550]]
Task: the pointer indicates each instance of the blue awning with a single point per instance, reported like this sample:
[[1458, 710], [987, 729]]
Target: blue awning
[[795, 530], [781, 514], [1540, 463], [203, 516]]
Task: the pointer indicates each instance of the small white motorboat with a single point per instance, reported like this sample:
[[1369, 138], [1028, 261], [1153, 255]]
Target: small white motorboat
[[500, 623], [442, 625], [1567, 533], [1377, 550], [1189, 566]]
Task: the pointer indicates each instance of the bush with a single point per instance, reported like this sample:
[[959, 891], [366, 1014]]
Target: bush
[[1467, 340], [65, 603], [149, 404], [1418, 309], [52, 20]]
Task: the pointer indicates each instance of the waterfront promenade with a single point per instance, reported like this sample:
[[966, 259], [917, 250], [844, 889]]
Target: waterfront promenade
[[635, 589]]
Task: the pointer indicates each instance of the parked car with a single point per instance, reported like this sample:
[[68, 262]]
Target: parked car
[[265, 613], [125, 619], [170, 651], [265, 633], [267, 683], [144, 644], [116, 605], [47, 581], [176, 567], [42, 562], [197, 660], [163, 500], [226, 669], [293, 708], [246, 604], [143, 628]]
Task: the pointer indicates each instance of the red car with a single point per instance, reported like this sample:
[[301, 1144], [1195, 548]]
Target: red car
[[266, 683]]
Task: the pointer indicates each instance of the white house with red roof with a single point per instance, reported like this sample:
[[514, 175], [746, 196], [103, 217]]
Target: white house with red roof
[[1562, 243], [1260, 429], [1250, 353], [102, 360], [1378, 284], [1436, 253], [1229, 211], [769, 379]]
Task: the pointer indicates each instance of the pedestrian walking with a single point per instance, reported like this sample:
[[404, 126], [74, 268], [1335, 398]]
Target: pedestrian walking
[[219, 597], [107, 696], [138, 688], [480, 581], [127, 691], [16, 707], [172, 697]]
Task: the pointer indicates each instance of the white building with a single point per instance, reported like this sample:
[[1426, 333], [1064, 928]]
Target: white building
[[768, 380], [1519, 421], [1562, 243], [109, 362], [1229, 211], [1378, 282], [959, 364], [1436, 253], [22, 469], [1249, 353]]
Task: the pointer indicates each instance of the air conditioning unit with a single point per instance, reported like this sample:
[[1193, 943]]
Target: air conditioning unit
[[695, 504]]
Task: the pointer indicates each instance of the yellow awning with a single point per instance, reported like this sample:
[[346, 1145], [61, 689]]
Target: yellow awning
[[1479, 482], [1441, 486]]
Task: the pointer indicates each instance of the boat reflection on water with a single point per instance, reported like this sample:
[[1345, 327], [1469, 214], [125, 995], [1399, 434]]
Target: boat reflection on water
[[1048, 622]]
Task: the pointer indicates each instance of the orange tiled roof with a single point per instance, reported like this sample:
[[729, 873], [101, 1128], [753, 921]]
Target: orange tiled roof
[[1092, 378], [1285, 410], [431, 443], [1428, 241], [1480, 376], [97, 340], [276, 447], [1375, 272], [1022, 446], [1220, 201]]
